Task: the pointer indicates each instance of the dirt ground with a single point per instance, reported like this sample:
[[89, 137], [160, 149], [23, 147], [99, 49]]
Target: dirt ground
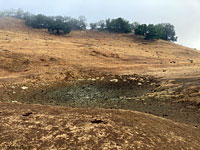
[[89, 70], [46, 127]]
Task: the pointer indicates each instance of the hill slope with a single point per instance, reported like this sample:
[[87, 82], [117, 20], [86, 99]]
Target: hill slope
[[92, 69], [45, 127]]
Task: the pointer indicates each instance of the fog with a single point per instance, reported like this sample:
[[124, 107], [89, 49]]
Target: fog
[[183, 14]]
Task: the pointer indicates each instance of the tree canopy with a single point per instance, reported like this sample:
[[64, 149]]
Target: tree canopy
[[164, 31], [119, 25]]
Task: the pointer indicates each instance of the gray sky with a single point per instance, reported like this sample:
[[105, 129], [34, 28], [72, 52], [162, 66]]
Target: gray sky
[[184, 14]]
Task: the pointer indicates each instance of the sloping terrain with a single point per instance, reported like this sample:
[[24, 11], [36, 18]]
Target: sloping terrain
[[96, 70], [45, 127]]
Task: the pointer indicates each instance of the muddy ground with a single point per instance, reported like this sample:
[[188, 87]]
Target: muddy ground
[[129, 92]]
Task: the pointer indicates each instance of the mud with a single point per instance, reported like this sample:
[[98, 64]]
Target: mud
[[130, 92]]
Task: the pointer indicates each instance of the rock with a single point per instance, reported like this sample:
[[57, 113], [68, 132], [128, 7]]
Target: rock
[[195, 94], [4, 50], [14, 101], [24, 88], [191, 61], [114, 80], [97, 121], [27, 114], [139, 84]]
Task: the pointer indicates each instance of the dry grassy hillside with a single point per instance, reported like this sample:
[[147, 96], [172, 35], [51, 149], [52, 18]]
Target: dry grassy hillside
[[101, 70]]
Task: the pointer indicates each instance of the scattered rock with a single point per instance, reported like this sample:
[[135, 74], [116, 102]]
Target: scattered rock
[[191, 61], [140, 84], [14, 101], [27, 114], [52, 59], [172, 62], [114, 80], [24, 88], [42, 59], [4, 50], [96, 121], [26, 62]]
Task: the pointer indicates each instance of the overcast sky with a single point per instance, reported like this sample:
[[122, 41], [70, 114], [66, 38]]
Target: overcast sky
[[183, 14]]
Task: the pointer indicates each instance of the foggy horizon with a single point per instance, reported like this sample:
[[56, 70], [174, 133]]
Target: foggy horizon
[[183, 14]]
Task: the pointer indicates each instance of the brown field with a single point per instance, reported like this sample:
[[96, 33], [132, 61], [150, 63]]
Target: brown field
[[96, 70]]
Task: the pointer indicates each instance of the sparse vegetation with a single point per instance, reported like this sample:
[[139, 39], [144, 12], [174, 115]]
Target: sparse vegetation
[[58, 24]]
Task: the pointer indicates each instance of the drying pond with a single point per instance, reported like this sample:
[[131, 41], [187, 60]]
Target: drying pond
[[107, 92]]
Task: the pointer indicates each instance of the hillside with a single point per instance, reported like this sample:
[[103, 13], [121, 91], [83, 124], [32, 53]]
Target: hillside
[[98, 70], [45, 127]]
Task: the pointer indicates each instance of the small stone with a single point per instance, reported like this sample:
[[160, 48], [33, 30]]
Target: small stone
[[13, 87], [14, 101], [139, 84], [114, 80], [24, 88], [4, 50]]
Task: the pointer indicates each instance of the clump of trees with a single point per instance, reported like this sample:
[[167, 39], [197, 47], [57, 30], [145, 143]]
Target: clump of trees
[[54, 24], [60, 24], [164, 31], [118, 25]]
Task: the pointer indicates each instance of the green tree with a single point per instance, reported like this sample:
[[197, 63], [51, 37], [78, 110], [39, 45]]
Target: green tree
[[140, 29], [167, 32], [118, 25], [93, 26], [152, 32]]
